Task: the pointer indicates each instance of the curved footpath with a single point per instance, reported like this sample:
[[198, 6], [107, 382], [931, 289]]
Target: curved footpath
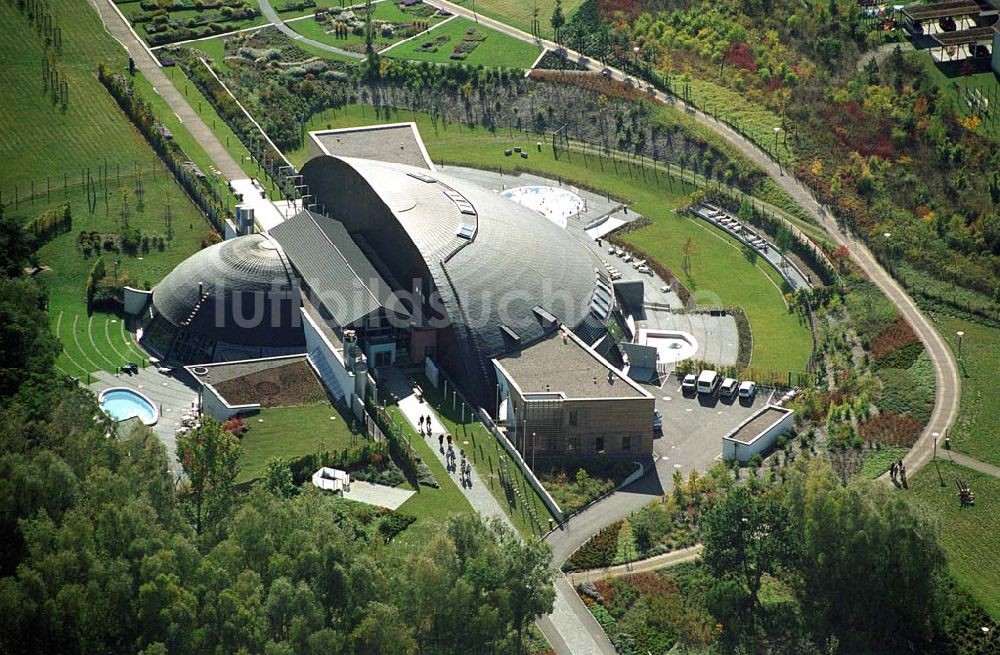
[[271, 15], [571, 629]]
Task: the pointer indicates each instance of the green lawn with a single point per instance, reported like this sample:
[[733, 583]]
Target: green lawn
[[39, 138], [485, 453], [977, 430], [720, 272], [519, 13], [290, 432], [92, 134], [971, 536], [94, 343], [722, 275], [496, 50]]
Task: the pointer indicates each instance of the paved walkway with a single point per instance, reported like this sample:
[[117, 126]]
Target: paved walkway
[[969, 461], [948, 385], [377, 494], [119, 28], [271, 15], [654, 563]]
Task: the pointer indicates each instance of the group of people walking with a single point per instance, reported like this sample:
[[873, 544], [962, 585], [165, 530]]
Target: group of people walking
[[425, 427], [897, 472]]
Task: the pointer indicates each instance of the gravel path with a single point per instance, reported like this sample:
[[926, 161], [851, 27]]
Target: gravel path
[[271, 15], [119, 28]]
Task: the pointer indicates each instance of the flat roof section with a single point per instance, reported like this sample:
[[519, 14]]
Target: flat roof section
[[937, 10], [964, 37], [397, 142], [564, 364], [758, 424]]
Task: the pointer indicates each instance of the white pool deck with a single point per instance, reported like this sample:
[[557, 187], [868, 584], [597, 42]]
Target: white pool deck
[[554, 203], [377, 494], [671, 346]]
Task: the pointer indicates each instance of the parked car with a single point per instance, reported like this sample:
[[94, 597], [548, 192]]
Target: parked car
[[729, 387], [689, 383], [748, 390], [657, 420], [644, 270], [606, 72], [708, 382]]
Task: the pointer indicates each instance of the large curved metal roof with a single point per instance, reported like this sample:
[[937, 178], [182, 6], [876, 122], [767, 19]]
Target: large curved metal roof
[[240, 291], [503, 271]]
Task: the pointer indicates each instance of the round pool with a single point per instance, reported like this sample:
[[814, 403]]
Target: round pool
[[553, 203], [121, 403]]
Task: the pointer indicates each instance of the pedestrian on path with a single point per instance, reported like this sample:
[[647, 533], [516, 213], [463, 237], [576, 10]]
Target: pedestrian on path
[[441, 442]]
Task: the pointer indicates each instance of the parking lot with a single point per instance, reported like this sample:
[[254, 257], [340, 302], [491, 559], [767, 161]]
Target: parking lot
[[693, 425]]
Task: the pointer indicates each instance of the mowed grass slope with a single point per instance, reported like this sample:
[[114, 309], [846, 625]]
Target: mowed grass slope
[[977, 430], [970, 535], [496, 50], [720, 271], [519, 13], [40, 139]]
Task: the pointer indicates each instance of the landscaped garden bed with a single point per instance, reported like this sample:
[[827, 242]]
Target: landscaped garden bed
[[291, 384], [666, 524], [574, 483]]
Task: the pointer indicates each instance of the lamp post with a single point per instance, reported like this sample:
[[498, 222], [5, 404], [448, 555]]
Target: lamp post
[[777, 155], [635, 50], [960, 334]]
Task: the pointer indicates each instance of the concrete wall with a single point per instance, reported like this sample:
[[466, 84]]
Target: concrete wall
[[136, 300], [744, 452], [213, 405], [331, 363]]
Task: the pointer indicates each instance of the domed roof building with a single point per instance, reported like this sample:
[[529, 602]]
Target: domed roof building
[[232, 300], [486, 276]]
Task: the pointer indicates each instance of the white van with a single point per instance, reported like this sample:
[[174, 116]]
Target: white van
[[708, 382]]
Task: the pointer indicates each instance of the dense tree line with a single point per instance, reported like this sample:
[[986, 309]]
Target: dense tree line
[[861, 566], [101, 552]]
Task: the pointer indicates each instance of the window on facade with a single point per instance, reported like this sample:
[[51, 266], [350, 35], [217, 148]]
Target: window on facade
[[599, 444], [626, 443], [572, 418]]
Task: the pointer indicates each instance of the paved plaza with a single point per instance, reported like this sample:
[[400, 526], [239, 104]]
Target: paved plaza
[[171, 395]]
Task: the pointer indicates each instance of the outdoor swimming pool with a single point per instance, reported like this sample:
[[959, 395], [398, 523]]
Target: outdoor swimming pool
[[553, 203], [121, 403], [671, 346]]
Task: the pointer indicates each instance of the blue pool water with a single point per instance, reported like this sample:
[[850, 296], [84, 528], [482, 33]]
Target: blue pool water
[[121, 403]]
